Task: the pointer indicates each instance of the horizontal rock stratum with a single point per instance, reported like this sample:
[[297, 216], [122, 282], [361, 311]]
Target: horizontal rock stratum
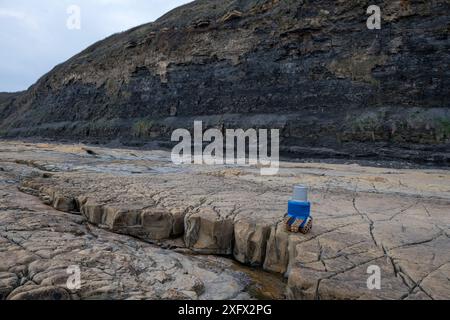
[[395, 219], [309, 68]]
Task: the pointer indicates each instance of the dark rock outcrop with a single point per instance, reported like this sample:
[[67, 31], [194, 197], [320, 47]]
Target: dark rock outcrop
[[309, 68]]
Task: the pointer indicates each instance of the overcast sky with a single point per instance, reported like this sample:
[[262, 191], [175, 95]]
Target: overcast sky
[[34, 36]]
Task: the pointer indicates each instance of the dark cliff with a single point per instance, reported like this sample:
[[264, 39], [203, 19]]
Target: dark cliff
[[309, 68]]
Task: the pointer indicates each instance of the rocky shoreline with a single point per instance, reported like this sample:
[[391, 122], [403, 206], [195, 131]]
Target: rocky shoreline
[[395, 219]]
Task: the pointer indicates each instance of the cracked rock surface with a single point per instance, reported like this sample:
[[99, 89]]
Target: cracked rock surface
[[38, 244], [396, 220]]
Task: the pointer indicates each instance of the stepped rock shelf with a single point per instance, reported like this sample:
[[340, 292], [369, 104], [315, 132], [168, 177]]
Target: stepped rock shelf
[[137, 200]]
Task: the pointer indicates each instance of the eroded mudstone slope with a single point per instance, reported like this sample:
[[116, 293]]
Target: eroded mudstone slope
[[310, 68], [393, 219]]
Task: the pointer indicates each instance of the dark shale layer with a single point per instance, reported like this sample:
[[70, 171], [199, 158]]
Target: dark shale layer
[[309, 68]]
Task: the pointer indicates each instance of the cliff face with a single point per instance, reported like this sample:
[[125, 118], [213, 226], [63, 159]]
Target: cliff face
[[309, 68]]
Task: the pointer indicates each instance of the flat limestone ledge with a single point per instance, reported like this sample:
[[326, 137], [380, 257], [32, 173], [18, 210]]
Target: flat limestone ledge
[[406, 237], [215, 215], [38, 244]]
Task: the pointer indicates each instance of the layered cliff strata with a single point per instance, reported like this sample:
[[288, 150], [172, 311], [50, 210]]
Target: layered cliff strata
[[310, 68]]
